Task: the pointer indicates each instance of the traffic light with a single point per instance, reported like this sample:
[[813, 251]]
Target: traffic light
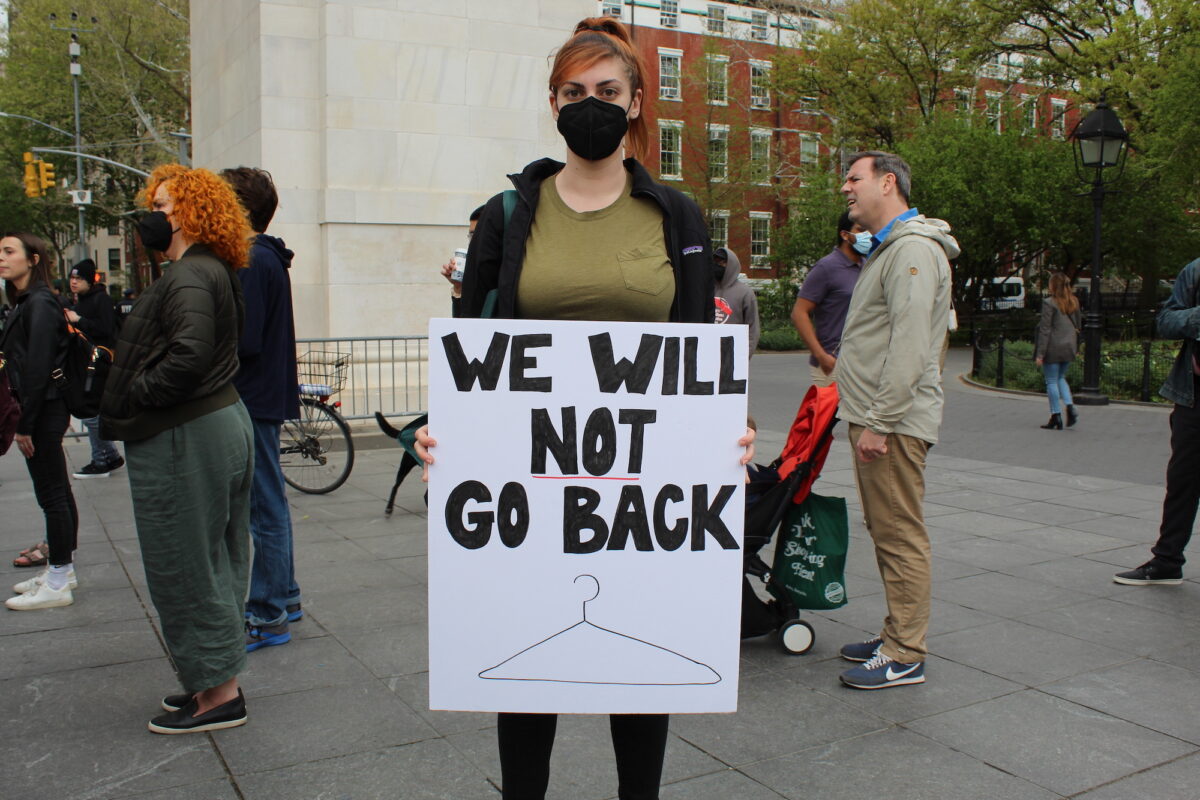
[[46, 173], [32, 186]]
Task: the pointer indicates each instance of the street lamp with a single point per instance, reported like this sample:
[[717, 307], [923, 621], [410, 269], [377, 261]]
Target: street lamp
[[1100, 143]]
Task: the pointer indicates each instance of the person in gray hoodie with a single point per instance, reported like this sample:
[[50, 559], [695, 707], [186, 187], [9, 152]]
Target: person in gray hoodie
[[736, 302], [889, 378]]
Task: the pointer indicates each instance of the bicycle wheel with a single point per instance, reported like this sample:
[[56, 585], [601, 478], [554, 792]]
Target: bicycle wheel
[[316, 452]]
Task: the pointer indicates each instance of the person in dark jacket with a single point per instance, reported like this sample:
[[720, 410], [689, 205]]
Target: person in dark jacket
[[449, 268], [33, 343], [736, 303], [592, 239], [188, 441], [267, 385], [1057, 341], [94, 315]]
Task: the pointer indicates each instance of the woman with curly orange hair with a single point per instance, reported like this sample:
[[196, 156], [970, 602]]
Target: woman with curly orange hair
[[189, 444]]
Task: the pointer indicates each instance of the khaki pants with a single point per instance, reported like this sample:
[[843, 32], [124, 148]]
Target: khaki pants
[[819, 378], [892, 488]]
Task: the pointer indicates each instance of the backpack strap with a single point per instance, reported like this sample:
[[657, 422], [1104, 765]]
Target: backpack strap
[[509, 199]]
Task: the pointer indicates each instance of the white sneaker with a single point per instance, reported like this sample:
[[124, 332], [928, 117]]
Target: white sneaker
[[41, 597], [37, 580]]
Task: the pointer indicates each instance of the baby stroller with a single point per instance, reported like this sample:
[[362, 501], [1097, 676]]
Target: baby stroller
[[773, 489]]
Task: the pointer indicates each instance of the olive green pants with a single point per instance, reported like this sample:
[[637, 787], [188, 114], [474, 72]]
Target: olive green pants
[[191, 504]]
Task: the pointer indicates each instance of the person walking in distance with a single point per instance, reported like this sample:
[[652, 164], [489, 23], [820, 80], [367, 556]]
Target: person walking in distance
[[1057, 341], [819, 314], [93, 313], [736, 303], [889, 380], [266, 381], [1178, 319]]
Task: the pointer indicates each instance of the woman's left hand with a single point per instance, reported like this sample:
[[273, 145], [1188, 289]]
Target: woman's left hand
[[1040, 360], [72, 316], [24, 444], [747, 442]]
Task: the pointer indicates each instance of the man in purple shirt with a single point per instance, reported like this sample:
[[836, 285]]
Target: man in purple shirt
[[820, 311]]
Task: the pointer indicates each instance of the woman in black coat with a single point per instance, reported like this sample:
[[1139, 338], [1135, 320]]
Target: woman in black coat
[[33, 342]]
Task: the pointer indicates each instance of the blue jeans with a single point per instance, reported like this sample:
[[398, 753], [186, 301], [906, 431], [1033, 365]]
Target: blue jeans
[[103, 452], [1056, 385], [273, 575]]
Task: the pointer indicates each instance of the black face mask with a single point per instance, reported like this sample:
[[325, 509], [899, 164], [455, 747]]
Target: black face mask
[[155, 231], [593, 128]]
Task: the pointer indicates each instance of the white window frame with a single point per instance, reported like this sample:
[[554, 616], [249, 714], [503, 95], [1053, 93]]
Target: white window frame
[[964, 101], [760, 91], [668, 13], [718, 133], [762, 258], [807, 29], [677, 126], [715, 22], [611, 8], [1058, 118], [815, 140], [665, 90], [761, 172], [721, 64], [1029, 112], [760, 26], [995, 110], [721, 214]]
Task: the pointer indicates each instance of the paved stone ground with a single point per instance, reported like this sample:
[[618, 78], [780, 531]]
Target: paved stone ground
[[1047, 680]]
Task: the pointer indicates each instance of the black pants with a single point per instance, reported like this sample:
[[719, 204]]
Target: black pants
[[639, 740], [52, 484], [1183, 487]]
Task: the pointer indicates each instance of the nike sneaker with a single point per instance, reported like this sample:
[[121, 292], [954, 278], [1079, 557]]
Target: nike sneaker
[[882, 672]]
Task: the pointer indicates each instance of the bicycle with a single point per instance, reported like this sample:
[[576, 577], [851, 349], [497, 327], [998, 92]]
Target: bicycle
[[316, 451]]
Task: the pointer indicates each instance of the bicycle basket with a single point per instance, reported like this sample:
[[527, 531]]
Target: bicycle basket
[[322, 372]]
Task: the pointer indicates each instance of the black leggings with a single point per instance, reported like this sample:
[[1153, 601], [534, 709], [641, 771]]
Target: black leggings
[[52, 484], [639, 740]]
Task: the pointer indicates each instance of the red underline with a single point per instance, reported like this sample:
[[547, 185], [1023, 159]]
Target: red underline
[[580, 478]]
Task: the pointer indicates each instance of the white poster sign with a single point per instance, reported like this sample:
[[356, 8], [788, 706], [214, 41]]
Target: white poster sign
[[585, 516]]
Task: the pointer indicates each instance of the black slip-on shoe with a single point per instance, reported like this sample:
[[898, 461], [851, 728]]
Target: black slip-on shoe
[[174, 702], [1150, 574], [183, 720]]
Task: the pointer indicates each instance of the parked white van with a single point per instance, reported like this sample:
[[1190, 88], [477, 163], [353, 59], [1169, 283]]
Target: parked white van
[[1001, 293]]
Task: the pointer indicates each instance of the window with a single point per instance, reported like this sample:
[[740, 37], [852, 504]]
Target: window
[[760, 238], [716, 19], [718, 80], [718, 228], [760, 155], [114, 259], [670, 149], [114, 230], [1058, 118], [758, 25], [964, 101], [760, 84], [1029, 111], [611, 8], [810, 148], [668, 14], [808, 31], [718, 152], [808, 105], [994, 107], [994, 67], [669, 69]]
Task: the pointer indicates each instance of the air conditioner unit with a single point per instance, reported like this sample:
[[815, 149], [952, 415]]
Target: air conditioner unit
[[611, 10]]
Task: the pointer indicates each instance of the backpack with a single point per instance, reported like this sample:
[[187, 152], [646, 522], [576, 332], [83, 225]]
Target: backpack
[[84, 370]]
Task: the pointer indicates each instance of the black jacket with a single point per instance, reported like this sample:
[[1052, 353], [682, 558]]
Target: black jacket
[[267, 350], [177, 351], [495, 256], [97, 318], [33, 343]]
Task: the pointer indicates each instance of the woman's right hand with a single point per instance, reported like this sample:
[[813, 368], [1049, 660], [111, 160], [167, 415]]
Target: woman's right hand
[[24, 444], [422, 444], [1040, 360]]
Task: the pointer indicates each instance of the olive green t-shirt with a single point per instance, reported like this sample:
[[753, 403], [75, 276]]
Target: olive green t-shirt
[[609, 264]]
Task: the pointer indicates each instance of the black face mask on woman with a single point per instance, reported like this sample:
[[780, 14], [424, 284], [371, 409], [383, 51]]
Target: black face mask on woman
[[155, 231], [593, 128]]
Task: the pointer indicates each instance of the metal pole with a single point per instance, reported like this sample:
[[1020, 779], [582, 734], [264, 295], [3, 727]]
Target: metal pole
[[82, 250], [1089, 394]]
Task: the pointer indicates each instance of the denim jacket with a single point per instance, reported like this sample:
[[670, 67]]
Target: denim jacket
[[1179, 318]]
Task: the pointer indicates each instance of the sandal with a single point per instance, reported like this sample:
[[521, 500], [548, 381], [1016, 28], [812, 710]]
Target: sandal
[[34, 556]]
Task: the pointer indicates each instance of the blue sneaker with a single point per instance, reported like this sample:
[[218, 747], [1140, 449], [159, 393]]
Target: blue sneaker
[[264, 636], [295, 612], [861, 651], [881, 672]]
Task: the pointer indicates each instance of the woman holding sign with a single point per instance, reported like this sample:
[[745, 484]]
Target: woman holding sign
[[592, 239]]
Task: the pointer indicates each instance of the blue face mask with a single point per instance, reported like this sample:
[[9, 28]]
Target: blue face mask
[[862, 242]]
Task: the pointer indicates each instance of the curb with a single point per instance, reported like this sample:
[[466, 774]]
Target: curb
[[966, 379]]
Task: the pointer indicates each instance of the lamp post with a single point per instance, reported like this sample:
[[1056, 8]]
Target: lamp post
[[74, 51], [1100, 143]]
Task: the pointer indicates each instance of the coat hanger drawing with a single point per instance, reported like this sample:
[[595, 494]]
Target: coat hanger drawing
[[589, 653]]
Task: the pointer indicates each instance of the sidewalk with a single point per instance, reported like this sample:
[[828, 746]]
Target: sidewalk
[[1048, 680]]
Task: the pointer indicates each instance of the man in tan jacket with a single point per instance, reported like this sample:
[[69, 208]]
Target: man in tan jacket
[[888, 376]]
